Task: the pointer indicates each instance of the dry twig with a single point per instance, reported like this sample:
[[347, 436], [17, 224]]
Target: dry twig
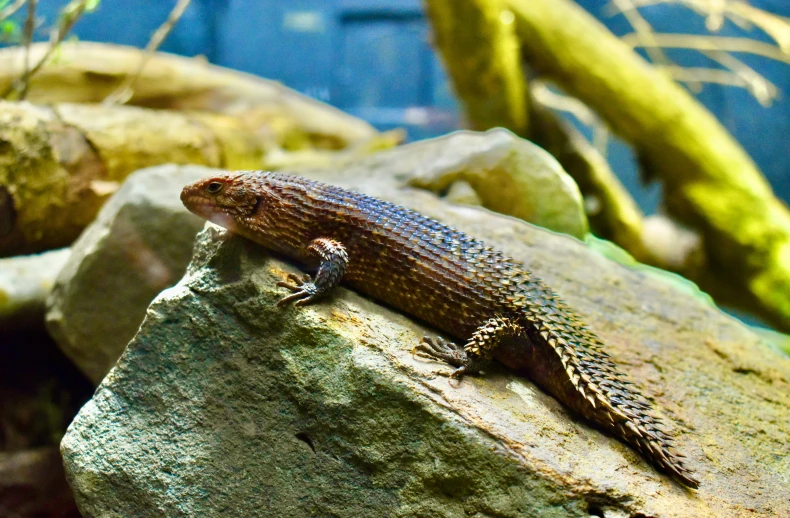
[[739, 12], [734, 72], [11, 9], [70, 15], [30, 25], [720, 43], [126, 89]]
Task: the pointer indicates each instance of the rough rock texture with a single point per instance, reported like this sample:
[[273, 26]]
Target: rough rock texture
[[224, 403], [139, 244]]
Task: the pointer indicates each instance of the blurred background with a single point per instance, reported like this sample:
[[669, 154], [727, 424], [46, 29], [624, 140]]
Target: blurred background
[[374, 59]]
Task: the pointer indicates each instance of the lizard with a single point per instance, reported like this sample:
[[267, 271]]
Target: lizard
[[491, 304]]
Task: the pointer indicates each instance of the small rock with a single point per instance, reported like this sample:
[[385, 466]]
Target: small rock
[[139, 244], [25, 283], [224, 403]]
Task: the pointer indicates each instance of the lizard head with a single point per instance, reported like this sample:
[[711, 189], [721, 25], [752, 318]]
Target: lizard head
[[221, 199], [269, 208]]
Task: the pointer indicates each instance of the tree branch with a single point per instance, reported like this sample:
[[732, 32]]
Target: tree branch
[[30, 26], [710, 183], [482, 54]]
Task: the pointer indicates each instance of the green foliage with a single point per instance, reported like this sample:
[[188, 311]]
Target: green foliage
[[9, 27], [9, 31]]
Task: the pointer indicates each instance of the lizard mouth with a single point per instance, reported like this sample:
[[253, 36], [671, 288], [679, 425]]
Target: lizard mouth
[[206, 208], [196, 203]]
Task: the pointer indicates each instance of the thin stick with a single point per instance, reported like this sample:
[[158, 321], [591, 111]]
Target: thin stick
[[11, 9], [723, 43], [30, 26], [71, 15], [124, 92], [643, 29], [754, 82]]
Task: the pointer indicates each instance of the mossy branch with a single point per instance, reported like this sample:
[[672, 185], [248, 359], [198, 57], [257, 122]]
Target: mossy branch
[[710, 183], [482, 53], [478, 41]]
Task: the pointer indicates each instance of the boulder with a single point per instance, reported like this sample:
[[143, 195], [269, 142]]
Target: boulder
[[139, 244], [224, 404]]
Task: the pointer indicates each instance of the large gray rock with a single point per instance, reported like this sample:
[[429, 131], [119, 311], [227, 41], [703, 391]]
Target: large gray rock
[[139, 244], [224, 404]]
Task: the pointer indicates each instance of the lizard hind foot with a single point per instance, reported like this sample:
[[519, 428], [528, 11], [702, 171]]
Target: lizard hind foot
[[304, 291], [440, 349]]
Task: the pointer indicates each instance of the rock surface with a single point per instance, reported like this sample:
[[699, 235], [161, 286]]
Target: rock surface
[[225, 404], [139, 244]]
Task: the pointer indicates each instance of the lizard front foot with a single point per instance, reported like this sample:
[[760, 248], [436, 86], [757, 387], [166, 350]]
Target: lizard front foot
[[449, 352], [303, 288]]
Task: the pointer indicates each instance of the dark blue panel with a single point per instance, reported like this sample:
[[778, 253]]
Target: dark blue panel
[[287, 41], [386, 71], [381, 63]]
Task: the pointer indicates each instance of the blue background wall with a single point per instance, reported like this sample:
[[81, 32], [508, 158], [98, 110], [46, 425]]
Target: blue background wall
[[373, 58]]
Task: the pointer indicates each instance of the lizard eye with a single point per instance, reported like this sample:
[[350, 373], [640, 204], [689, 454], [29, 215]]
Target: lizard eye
[[214, 187]]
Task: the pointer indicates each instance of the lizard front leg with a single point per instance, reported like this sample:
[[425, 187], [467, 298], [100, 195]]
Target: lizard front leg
[[477, 351], [332, 261]]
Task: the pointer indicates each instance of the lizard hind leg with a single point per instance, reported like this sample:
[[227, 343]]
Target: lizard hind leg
[[303, 289], [477, 351]]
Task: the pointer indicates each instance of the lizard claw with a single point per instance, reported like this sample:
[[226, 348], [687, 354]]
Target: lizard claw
[[302, 288], [441, 349]]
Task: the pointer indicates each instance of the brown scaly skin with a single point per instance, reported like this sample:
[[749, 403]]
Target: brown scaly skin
[[490, 303]]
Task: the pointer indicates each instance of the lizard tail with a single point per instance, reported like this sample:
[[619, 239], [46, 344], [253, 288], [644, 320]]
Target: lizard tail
[[606, 397]]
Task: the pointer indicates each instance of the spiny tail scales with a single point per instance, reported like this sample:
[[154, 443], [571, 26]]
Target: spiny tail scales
[[606, 396]]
